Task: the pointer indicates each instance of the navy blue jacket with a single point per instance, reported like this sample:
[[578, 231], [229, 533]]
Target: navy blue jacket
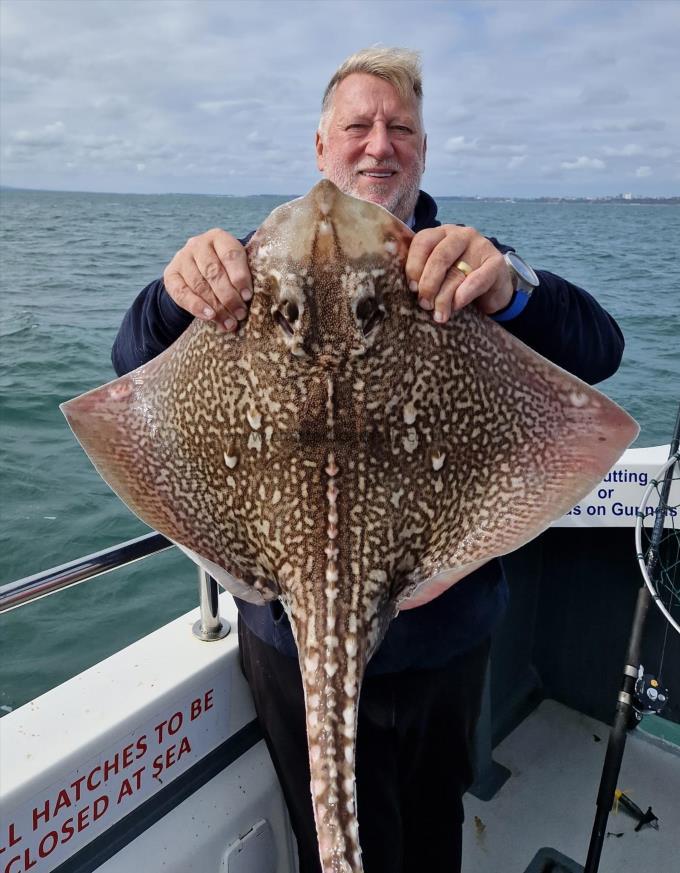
[[561, 321]]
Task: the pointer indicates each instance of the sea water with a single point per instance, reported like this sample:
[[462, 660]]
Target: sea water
[[72, 264]]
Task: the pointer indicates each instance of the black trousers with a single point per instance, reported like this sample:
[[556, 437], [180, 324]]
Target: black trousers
[[413, 764]]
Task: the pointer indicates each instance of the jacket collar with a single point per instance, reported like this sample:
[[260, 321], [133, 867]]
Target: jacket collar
[[425, 212]]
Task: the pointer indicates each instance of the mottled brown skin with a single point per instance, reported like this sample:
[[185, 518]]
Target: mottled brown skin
[[345, 454]]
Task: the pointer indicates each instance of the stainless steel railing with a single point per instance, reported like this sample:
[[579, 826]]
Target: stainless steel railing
[[22, 591]]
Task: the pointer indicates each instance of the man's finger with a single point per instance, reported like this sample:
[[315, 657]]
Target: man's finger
[[194, 278], [190, 290], [211, 269], [233, 258], [419, 251], [183, 296], [443, 300], [439, 266]]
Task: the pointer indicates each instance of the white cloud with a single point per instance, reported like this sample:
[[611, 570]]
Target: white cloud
[[516, 161], [626, 125], [635, 150], [623, 151], [583, 163], [218, 107], [485, 150], [112, 104], [256, 140], [48, 135], [643, 172], [507, 149], [214, 107], [456, 144]]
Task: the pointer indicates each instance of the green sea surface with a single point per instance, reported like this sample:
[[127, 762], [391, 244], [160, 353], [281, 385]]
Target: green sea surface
[[72, 263]]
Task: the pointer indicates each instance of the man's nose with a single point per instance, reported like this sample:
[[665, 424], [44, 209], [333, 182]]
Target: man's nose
[[379, 144]]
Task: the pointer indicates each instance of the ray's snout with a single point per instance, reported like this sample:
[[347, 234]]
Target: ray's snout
[[325, 196]]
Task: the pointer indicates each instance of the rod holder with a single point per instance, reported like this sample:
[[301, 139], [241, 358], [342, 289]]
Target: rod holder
[[210, 626]]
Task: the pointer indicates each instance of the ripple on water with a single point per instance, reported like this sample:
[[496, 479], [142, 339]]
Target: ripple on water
[[12, 323]]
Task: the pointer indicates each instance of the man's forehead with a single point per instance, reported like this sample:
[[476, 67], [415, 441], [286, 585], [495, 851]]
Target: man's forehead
[[362, 93]]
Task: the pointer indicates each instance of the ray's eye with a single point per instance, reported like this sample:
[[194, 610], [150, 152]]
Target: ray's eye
[[369, 314], [286, 316]]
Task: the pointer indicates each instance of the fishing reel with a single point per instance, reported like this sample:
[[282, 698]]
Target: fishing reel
[[649, 696]]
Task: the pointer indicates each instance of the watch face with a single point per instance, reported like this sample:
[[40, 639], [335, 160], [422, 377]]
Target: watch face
[[528, 276]]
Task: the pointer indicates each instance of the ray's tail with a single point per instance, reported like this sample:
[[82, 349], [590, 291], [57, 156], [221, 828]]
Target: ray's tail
[[332, 679]]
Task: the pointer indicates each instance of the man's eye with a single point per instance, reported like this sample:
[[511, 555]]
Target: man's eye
[[401, 128]]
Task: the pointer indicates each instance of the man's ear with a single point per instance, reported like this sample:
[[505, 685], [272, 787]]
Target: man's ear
[[318, 146]]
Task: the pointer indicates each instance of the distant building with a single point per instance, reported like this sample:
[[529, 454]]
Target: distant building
[[628, 196]]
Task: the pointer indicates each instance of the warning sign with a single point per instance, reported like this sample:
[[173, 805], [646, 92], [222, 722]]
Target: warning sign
[[70, 813]]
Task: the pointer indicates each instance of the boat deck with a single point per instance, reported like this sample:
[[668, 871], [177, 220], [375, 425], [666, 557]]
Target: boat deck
[[556, 758]]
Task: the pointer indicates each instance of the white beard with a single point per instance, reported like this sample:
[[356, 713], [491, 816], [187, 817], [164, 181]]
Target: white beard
[[400, 201]]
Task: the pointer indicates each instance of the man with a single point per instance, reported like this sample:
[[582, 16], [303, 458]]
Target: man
[[421, 697]]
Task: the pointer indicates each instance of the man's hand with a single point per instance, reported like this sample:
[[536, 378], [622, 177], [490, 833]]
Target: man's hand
[[210, 278], [431, 271]]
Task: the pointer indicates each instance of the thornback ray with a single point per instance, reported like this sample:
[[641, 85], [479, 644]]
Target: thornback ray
[[344, 453]]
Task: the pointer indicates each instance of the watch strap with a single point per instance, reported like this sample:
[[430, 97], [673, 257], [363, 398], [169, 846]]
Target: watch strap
[[519, 300]]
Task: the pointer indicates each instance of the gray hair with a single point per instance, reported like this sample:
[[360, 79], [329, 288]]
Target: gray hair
[[399, 66]]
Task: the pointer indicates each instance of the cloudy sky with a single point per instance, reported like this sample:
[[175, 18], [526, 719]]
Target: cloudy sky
[[574, 97]]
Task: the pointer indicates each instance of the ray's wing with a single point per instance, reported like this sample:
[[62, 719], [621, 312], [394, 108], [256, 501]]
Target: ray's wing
[[168, 445], [496, 443]]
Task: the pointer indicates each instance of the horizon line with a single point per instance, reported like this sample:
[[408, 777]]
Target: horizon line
[[624, 196]]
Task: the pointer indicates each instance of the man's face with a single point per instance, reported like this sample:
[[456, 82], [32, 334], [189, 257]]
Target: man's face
[[373, 146]]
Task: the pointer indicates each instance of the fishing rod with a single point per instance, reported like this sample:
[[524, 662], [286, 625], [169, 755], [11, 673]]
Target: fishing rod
[[640, 693]]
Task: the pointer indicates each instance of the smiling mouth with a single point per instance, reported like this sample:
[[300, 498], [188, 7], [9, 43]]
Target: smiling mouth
[[377, 174]]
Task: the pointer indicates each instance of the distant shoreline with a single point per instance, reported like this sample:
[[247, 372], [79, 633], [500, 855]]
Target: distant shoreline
[[617, 199], [663, 201]]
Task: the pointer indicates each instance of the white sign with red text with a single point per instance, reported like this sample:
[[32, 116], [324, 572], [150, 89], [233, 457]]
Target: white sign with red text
[[68, 814]]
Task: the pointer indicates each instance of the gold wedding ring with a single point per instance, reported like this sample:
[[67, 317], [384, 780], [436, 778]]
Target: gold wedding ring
[[464, 267]]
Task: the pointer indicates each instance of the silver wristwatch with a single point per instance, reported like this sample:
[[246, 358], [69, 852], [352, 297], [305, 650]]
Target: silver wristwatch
[[523, 277], [524, 280]]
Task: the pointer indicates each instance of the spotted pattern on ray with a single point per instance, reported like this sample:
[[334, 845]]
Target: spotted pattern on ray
[[345, 454]]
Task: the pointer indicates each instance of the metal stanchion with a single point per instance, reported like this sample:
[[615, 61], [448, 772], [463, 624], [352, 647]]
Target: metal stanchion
[[210, 626]]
